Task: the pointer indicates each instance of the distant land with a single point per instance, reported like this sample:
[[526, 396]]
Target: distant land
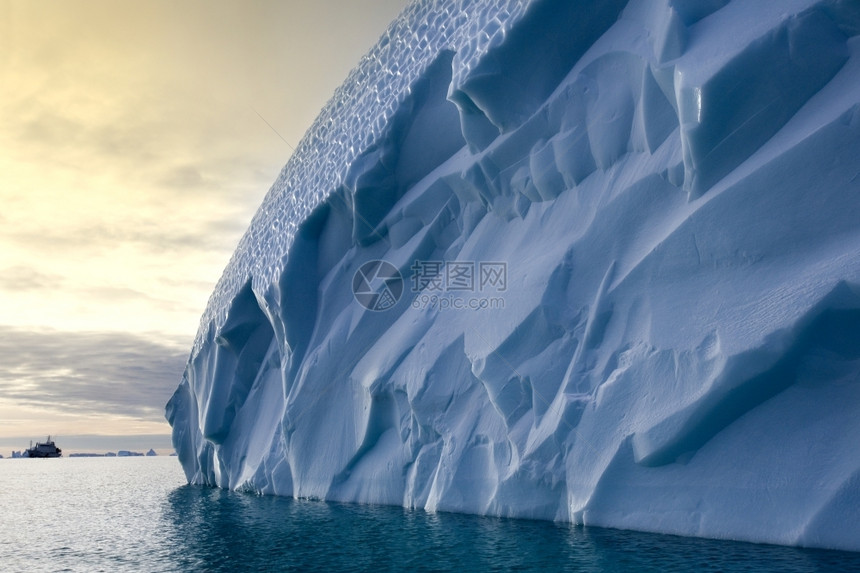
[[119, 454], [93, 444]]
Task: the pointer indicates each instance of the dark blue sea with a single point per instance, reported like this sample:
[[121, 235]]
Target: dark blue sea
[[138, 514]]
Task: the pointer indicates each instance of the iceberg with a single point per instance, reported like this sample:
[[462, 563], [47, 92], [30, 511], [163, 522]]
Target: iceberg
[[595, 262]]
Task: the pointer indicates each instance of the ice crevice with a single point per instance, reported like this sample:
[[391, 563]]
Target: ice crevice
[[671, 189]]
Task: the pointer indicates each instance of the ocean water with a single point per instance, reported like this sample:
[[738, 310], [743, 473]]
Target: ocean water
[[138, 514]]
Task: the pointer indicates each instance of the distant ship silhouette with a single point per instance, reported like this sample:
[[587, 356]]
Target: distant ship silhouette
[[46, 449]]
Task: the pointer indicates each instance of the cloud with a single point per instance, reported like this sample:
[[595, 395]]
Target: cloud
[[90, 373], [217, 234], [182, 177], [49, 130], [20, 277], [112, 293]]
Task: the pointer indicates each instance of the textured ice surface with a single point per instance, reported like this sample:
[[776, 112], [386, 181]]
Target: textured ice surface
[[673, 189]]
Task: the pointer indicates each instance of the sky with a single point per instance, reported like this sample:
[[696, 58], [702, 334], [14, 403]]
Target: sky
[[137, 141]]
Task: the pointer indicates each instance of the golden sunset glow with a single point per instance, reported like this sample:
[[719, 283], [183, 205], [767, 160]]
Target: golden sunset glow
[[133, 155]]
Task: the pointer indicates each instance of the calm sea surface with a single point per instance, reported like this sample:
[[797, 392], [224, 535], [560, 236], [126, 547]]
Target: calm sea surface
[[137, 514]]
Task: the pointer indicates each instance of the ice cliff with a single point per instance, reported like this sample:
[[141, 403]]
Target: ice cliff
[[618, 278]]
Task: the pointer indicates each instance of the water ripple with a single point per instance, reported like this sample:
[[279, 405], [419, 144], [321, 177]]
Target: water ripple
[[118, 515]]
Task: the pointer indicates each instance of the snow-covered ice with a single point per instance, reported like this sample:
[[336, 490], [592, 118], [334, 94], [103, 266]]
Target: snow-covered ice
[[658, 205]]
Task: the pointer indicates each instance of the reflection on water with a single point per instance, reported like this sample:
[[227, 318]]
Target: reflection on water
[[132, 514], [217, 530]]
